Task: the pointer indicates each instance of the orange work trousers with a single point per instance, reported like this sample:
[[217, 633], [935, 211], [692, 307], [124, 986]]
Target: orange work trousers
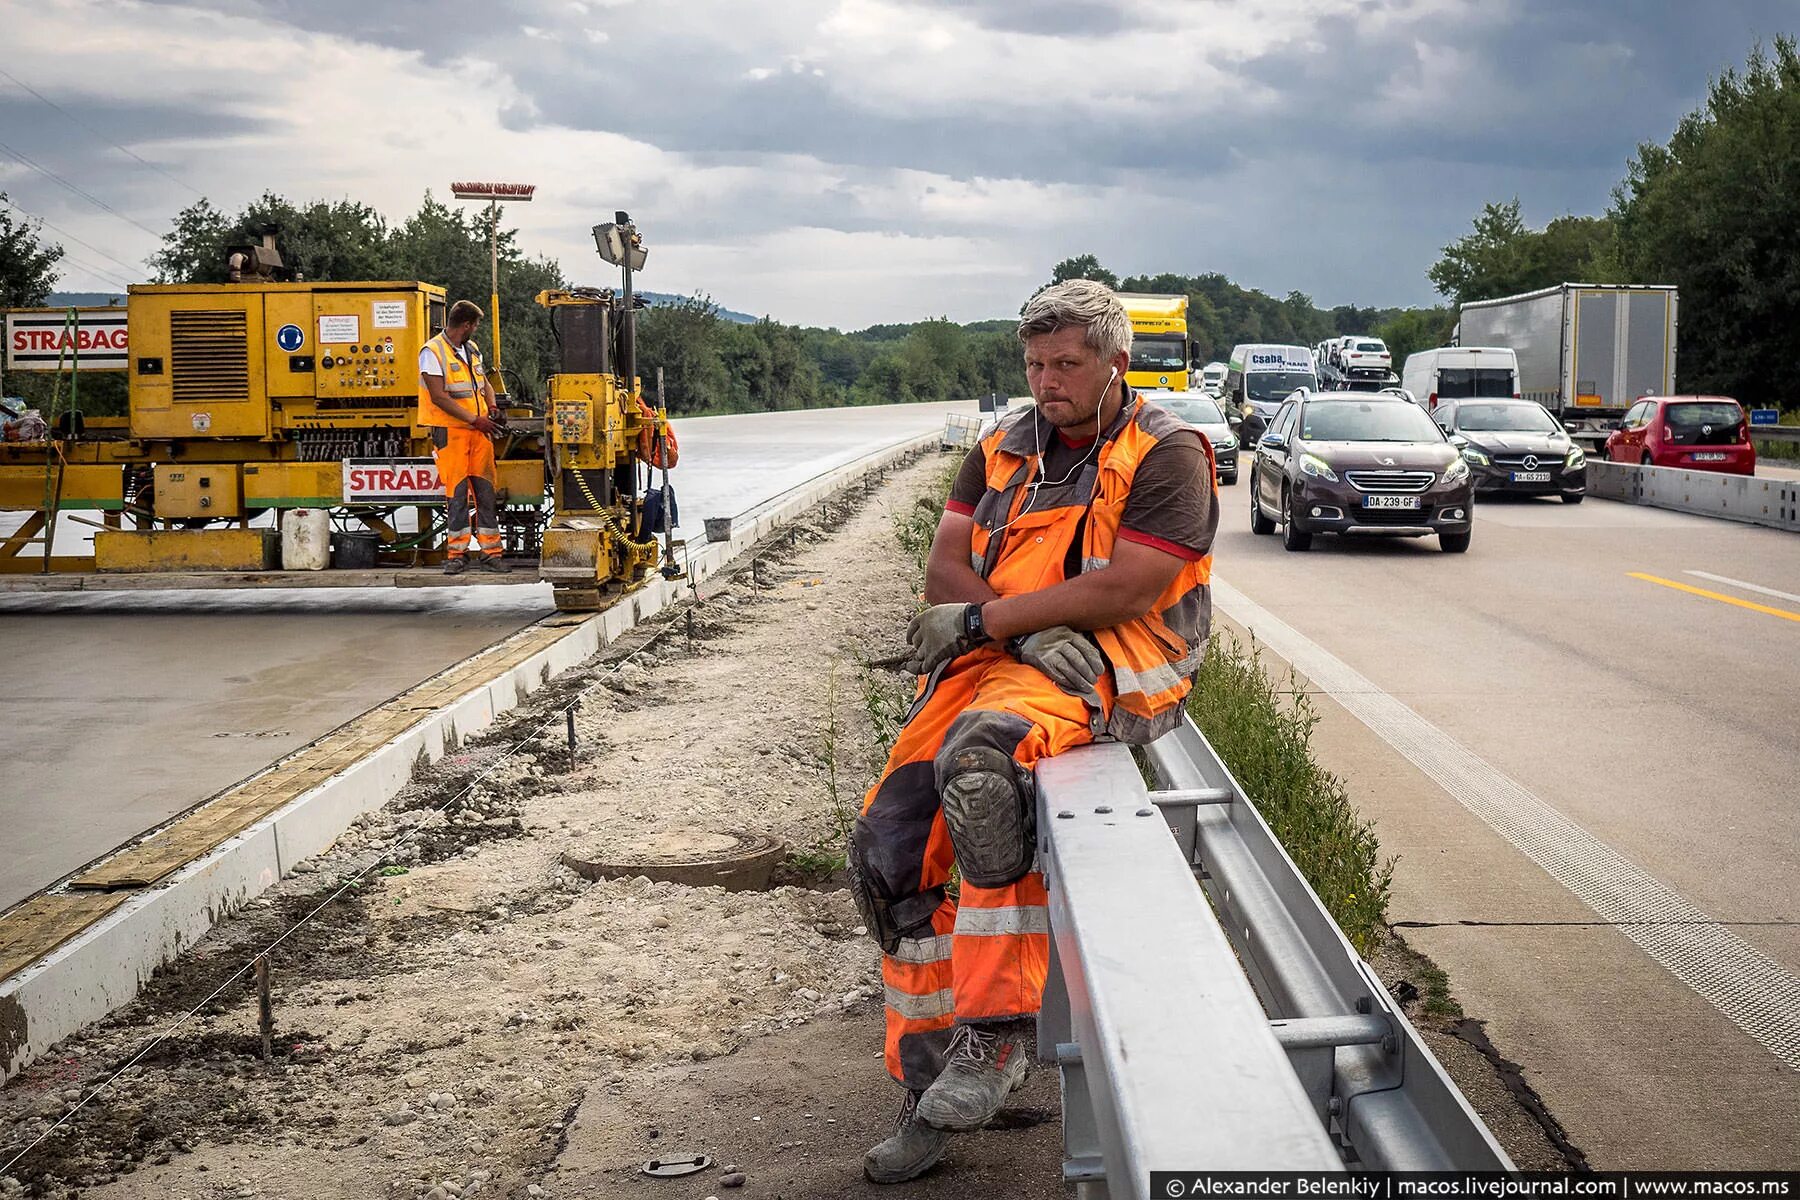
[[465, 462], [983, 957]]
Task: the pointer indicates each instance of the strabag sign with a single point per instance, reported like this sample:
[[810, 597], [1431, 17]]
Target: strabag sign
[[38, 338], [392, 481]]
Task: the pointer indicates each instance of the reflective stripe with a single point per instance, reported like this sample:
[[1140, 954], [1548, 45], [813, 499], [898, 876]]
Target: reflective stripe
[[460, 391], [921, 1008], [994, 922], [976, 562], [923, 950], [1158, 677], [1095, 564]]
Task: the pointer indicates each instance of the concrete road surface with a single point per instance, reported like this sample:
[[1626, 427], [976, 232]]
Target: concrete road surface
[[123, 709], [1592, 759]]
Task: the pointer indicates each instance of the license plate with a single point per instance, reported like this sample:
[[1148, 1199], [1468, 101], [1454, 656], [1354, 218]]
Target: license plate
[[1710, 457], [1390, 502], [1531, 477]]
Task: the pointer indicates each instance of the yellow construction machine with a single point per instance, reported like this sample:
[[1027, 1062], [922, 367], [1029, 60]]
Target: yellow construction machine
[[263, 403]]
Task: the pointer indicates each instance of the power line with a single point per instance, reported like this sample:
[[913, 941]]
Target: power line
[[10, 203], [88, 196], [99, 273], [77, 120]]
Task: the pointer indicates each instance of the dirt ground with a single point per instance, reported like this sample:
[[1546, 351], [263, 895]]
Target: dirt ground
[[474, 1018]]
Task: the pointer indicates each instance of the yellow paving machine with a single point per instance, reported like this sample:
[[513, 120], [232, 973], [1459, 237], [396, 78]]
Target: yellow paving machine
[[264, 404]]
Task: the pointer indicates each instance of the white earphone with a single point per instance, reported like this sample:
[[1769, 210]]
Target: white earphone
[[1038, 431]]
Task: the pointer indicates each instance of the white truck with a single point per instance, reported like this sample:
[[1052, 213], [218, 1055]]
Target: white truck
[[1585, 351]]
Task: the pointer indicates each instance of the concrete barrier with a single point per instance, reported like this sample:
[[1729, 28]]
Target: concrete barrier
[[105, 965], [1755, 500]]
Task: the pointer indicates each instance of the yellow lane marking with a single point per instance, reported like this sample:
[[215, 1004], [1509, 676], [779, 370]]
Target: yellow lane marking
[[1783, 613]]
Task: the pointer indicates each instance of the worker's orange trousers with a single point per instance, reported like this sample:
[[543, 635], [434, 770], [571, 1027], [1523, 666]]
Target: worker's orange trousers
[[465, 462], [985, 954]]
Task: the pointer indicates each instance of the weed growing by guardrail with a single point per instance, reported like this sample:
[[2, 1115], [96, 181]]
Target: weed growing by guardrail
[[1263, 732]]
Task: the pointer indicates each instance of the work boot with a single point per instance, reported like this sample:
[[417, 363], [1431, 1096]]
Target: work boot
[[911, 1150], [455, 566], [983, 1066], [493, 564]]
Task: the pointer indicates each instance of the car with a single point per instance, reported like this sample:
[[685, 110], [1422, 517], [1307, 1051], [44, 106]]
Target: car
[[1515, 446], [1359, 463], [1694, 433], [1203, 413], [1357, 354]]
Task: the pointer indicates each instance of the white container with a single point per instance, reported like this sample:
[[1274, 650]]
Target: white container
[[305, 539]]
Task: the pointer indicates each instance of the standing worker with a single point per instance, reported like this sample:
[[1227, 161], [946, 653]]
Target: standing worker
[[1069, 591], [456, 403]]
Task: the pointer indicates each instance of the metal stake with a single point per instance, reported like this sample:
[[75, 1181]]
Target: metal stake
[[570, 713], [265, 1007], [690, 628]]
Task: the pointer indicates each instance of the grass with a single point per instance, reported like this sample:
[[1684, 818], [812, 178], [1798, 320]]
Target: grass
[[1263, 732]]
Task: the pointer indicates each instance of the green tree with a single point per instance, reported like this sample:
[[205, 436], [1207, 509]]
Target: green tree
[[1414, 329], [684, 340], [1082, 266], [1715, 212], [1502, 256], [27, 263]]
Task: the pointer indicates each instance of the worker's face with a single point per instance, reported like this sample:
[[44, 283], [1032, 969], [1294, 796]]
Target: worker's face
[[1068, 379], [458, 334]]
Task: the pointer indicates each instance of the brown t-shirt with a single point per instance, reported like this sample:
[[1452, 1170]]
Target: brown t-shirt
[[1171, 503]]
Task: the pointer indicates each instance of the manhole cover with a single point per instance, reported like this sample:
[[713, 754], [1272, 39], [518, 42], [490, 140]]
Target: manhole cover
[[735, 861]]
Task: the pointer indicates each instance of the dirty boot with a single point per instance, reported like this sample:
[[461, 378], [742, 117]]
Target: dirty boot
[[493, 564], [983, 1066], [911, 1150], [455, 566]]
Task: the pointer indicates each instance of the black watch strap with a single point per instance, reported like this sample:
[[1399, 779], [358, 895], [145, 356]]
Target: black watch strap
[[973, 629]]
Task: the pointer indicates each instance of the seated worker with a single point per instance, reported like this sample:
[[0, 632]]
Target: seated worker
[[1070, 601]]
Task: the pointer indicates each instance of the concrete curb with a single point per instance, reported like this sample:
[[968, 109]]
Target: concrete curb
[[105, 965]]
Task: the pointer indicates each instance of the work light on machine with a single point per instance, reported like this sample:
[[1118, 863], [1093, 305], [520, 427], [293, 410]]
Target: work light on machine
[[614, 238]]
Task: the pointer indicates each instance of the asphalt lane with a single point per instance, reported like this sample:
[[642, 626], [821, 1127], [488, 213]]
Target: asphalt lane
[[122, 710], [1657, 719]]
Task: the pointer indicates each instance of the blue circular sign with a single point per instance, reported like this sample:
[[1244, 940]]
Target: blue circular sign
[[290, 338]]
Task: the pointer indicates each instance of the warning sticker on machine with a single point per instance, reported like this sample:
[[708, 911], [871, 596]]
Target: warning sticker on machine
[[338, 330], [389, 314], [392, 481]]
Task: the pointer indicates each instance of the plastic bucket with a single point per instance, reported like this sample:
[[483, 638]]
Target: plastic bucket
[[718, 529], [305, 539], [354, 551]]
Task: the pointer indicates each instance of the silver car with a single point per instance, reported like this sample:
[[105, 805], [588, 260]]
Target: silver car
[[1202, 411]]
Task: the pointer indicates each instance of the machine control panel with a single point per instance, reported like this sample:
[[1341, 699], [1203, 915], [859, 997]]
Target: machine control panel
[[572, 421]]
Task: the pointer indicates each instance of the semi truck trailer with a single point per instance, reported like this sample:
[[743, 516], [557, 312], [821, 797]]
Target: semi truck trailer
[[1586, 352]]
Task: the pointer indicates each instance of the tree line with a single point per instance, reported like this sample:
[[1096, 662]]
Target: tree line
[[1712, 211]]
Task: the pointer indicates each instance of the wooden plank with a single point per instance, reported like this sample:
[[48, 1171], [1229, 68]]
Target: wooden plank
[[43, 923], [76, 574]]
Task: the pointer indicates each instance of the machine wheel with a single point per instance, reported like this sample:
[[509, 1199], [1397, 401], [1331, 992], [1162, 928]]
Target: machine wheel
[[1573, 497], [1454, 543], [1258, 522], [1292, 536], [577, 599]]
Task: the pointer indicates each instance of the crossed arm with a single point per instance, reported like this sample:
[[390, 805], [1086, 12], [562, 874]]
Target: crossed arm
[[434, 386], [1121, 591]]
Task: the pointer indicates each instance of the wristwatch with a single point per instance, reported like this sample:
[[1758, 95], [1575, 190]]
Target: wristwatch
[[973, 629]]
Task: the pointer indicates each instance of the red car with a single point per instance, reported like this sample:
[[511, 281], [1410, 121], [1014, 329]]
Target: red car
[[1694, 433]]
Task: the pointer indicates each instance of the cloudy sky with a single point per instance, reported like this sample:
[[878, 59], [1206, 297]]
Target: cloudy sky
[[842, 162]]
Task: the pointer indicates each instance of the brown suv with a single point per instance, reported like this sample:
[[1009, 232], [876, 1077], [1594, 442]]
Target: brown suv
[[1349, 462]]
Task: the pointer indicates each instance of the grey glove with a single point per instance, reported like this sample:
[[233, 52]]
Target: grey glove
[[939, 634], [1072, 662]]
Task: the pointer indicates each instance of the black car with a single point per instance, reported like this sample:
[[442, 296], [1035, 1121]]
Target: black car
[[1348, 462], [1203, 413], [1515, 446]]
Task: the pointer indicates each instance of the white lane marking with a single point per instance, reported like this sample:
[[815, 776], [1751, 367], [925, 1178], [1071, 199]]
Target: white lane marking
[[1748, 587], [1750, 989]]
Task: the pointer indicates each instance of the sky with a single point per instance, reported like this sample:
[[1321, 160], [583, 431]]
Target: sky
[[847, 162]]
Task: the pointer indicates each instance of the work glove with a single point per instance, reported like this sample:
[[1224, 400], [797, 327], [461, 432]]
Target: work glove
[[937, 635], [1072, 662]]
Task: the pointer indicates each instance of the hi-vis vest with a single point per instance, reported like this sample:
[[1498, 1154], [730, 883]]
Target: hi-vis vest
[[462, 383], [1154, 658]]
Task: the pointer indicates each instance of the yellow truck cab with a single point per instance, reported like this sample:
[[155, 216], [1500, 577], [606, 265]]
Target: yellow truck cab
[[1159, 342]]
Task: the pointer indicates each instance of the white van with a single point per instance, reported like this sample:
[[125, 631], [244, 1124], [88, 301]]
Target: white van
[[1460, 373], [1262, 374], [1212, 378]]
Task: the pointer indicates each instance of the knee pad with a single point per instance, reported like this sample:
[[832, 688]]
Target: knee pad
[[989, 810], [889, 915]]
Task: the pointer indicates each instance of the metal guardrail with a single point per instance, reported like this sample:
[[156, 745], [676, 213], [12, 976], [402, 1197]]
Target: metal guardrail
[[1244, 1034], [1775, 433], [1756, 500]]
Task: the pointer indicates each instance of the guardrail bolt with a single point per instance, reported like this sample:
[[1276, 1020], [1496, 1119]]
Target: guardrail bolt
[[1064, 815], [1103, 808], [1389, 1045], [1364, 1005], [1146, 812]]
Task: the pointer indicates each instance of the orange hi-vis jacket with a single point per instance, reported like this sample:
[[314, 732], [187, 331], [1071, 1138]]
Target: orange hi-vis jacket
[[462, 383], [1021, 542]]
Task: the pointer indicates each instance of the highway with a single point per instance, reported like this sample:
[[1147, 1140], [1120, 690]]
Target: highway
[[1568, 653], [126, 709]]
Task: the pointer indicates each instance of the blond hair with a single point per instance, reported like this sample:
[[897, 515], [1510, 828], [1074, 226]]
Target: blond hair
[[1079, 302]]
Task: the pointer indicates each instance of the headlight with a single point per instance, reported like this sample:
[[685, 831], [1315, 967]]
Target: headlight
[[1456, 472], [1472, 455], [1577, 457], [1318, 468], [1228, 442]]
